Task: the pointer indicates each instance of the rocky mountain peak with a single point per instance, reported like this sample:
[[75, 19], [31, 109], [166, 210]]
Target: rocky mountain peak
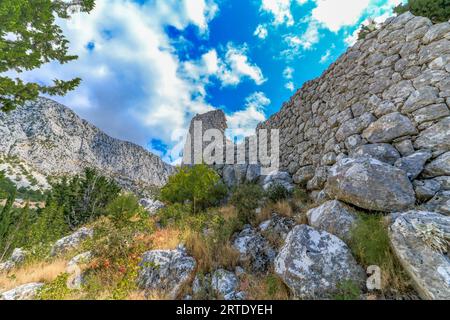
[[55, 141]]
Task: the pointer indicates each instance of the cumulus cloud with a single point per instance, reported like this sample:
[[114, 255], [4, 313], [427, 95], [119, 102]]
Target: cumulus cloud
[[288, 74], [231, 69], [335, 14], [243, 123], [261, 32], [280, 10]]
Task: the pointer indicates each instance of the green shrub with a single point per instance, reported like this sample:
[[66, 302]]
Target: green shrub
[[370, 240], [123, 208], [371, 246], [436, 10], [83, 197], [55, 290], [277, 192], [50, 226], [367, 29], [246, 198], [199, 185], [347, 290]]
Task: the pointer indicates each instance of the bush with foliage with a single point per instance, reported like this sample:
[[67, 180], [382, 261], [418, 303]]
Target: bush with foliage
[[277, 192], [83, 197], [347, 290], [367, 29], [371, 246], [437, 10], [199, 184], [37, 39], [246, 198]]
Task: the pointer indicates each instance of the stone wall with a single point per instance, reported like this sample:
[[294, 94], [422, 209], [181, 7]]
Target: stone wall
[[387, 97]]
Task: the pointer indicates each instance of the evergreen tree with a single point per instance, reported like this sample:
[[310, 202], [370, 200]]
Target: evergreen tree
[[50, 225], [84, 198], [436, 10], [29, 38], [6, 218]]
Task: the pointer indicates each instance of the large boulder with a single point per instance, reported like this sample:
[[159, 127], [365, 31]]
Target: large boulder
[[71, 242], [438, 167], [277, 228], [439, 203], [280, 178], [74, 270], [24, 292], [313, 263], [166, 271], [436, 137], [389, 128], [254, 250], [370, 184], [334, 217], [17, 258], [380, 151], [226, 285], [414, 238], [151, 205], [426, 189], [221, 284], [413, 164]]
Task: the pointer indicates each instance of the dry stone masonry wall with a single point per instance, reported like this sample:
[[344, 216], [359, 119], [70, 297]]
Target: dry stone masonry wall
[[386, 98]]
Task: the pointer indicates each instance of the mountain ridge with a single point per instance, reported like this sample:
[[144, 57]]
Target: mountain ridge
[[56, 141]]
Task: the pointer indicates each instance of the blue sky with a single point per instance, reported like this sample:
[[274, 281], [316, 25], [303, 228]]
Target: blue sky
[[148, 66]]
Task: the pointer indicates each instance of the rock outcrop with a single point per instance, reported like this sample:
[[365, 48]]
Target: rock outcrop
[[72, 241], [370, 184], [254, 250], [334, 217], [313, 263], [55, 141], [421, 241], [24, 292], [165, 272], [17, 258]]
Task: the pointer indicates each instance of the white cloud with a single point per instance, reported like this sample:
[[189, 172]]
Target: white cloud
[[288, 73], [335, 14], [290, 86], [305, 41], [231, 69], [261, 32], [325, 57], [237, 65], [280, 9], [243, 123]]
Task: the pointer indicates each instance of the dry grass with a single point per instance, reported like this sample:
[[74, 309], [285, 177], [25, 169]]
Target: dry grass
[[282, 208], [136, 296], [39, 272], [165, 239], [210, 255], [228, 212], [264, 288]]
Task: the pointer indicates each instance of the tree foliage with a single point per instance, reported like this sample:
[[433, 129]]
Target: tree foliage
[[29, 38], [198, 184], [83, 197], [436, 10]]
